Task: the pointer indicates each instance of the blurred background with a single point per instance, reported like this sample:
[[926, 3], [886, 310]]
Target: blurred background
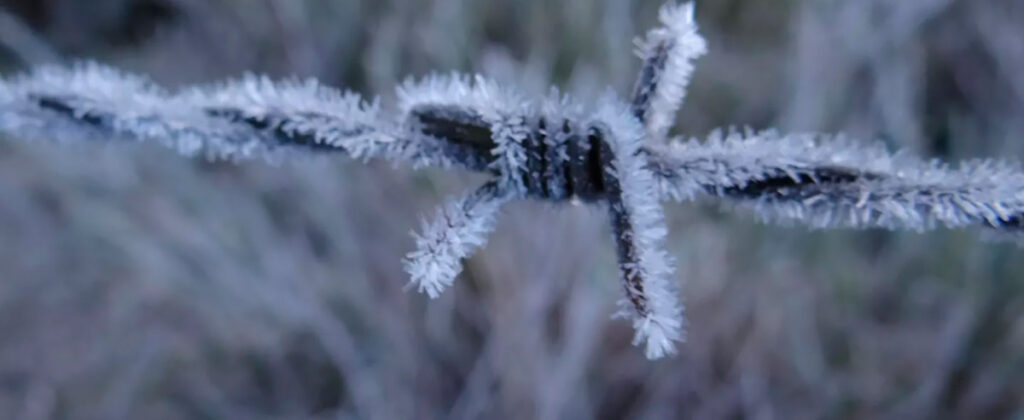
[[138, 284]]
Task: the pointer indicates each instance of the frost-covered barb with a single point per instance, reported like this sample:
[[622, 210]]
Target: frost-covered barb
[[612, 152], [639, 230], [668, 55], [459, 228]]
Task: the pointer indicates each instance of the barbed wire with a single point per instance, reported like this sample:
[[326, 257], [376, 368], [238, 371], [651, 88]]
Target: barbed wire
[[614, 152]]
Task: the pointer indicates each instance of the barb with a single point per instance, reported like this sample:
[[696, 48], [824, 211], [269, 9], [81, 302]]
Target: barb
[[638, 229], [668, 55], [455, 233]]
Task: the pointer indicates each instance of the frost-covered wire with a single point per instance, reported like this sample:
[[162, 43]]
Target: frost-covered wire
[[502, 110], [829, 182], [553, 149], [240, 119]]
